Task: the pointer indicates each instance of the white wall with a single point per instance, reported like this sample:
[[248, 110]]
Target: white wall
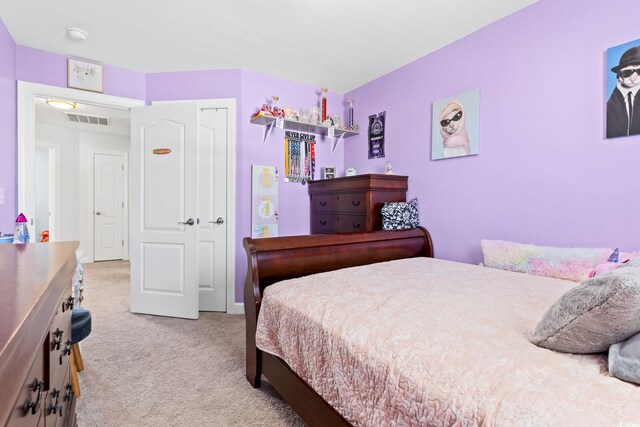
[[67, 198], [42, 193], [94, 141], [76, 208]]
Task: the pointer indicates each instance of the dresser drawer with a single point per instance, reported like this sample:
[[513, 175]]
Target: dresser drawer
[[350, 223], [28, 407], [57, 402], [325, 223], [325, 203], [351, 203], [60, 340]]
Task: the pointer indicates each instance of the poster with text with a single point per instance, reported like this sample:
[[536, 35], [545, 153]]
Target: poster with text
[[455, 128], [264, 201], [376, 135]]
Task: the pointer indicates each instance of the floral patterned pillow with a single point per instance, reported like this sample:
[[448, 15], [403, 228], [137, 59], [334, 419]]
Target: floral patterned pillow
[[400, 215]]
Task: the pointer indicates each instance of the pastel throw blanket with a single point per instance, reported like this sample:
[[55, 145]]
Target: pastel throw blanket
[[573, 264]]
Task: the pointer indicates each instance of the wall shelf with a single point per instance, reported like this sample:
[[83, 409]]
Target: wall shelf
[[270, 122]]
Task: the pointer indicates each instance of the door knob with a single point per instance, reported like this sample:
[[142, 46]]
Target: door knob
[[190, 221], [218, 221], [98, 213]]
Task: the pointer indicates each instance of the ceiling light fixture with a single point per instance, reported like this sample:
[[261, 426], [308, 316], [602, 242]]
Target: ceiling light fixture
[[63, 105], [77, 34]]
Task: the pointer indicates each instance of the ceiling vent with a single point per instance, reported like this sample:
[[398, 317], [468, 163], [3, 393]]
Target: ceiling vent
[[90, 120]]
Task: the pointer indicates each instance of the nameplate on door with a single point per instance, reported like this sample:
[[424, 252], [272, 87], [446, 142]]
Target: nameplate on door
[[162, 151]]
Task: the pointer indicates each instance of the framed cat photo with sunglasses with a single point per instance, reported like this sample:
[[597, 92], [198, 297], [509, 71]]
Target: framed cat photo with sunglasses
[[456, 126], [623, 90]]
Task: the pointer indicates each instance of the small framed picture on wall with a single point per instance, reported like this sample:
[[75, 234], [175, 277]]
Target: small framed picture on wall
[[329, 172], [84, 75]]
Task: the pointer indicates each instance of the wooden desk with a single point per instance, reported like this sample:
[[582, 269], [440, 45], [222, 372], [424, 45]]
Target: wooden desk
[[35, 334]]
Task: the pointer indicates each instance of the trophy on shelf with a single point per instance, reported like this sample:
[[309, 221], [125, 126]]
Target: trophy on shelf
[[350, 114], [323, 104]]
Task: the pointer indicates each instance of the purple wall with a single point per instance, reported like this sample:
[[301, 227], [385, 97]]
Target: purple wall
[[251, 90], [545, 173], [39, 66], [207, 84], [8, 155], [293, 198]]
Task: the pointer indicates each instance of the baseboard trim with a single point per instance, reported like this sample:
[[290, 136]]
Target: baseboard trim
[[237, 308]]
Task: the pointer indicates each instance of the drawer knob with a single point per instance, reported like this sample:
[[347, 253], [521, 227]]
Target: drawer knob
[[68, 304], [55, 406], [67, 395], [34, 407], [323, 222], [323, 203], [55, 344], [354, 225], [355, 203], [65, 352]]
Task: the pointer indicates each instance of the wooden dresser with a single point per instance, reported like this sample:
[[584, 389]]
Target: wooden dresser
[[35, 334], [353, 203]]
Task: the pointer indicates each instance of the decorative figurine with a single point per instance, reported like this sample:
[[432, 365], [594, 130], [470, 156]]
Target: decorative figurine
[[277, 111], [315, 115], [270, 110], [388, 169]]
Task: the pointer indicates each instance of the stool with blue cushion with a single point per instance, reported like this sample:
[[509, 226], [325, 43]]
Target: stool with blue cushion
[[80, 329]]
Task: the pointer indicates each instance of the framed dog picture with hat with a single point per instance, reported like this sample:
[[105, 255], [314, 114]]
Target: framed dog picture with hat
[[623, 90]]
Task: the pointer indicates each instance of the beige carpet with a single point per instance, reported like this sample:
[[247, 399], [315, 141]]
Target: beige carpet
[[157, 371]]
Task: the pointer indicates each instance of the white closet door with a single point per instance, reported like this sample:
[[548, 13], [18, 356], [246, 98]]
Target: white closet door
[[212, 208], [164, 234]]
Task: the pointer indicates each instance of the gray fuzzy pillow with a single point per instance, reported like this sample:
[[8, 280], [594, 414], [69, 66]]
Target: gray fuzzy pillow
[[594, 315], [624, 360]]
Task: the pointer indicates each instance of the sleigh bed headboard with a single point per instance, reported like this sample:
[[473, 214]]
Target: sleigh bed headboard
[[275, 259]]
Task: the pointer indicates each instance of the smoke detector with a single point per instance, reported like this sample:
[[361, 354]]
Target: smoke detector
[[77, 34]]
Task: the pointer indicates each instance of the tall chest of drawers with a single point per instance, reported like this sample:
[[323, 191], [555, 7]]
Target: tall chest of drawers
[[351, 204], [35, 334]]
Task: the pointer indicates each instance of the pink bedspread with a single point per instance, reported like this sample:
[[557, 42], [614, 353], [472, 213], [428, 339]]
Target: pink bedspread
[[430, 342]]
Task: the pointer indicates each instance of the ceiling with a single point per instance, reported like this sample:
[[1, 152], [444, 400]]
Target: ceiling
[[119, 120], [335, 43]]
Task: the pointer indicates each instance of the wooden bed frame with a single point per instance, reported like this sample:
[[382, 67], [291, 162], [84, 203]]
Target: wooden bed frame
[[276, 259]]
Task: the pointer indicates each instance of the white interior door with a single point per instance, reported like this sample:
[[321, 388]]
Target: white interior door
[[164, 236], [212, 208], [108, 206]]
